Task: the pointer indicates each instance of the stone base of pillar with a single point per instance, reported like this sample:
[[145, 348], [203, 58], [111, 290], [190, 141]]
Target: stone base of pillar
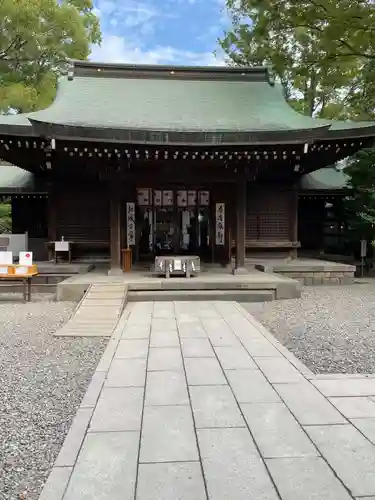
[[239, 270], [115, 271]]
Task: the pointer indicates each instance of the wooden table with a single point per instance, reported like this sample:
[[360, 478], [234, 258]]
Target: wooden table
[[26, 280]]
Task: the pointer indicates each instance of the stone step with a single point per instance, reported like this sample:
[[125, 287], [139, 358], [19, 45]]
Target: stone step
[[196, 295]]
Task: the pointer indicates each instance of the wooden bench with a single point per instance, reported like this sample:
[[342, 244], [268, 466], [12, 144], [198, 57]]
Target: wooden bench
[[77, 246], [289, 247]]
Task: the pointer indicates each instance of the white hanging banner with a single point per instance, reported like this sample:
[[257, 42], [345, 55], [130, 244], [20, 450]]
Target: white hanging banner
[[220, 224], [130, 223]]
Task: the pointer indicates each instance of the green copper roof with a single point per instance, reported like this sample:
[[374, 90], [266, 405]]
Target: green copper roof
[[13, 179], [174, 104], [328, 178]]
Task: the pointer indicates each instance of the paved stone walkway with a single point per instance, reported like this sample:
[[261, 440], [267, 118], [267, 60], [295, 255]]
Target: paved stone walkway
[[197, 401]]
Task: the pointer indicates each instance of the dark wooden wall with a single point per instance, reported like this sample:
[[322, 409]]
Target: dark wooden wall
[[29, 214], [268, 214], [82, 212]]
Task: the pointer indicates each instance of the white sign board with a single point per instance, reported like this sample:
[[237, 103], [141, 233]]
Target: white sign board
[[62, 246], [220, 224], [130, 223], [26, 258], [6, 258], [3, 270], [363, 248]]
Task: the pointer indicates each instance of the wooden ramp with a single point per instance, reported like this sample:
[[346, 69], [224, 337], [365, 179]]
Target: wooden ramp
[[98, 312]]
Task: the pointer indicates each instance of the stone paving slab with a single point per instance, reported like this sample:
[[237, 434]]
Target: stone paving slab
[[215, 406], [349, 453], [200, 402], [168, 435], [306, 478], [204, 371], [233, 467], [276, 431], [348, 387], [171, 481], [118, 409], [308, 405], [355, 407], [166, 388], [366, 426], [106, 467], [251, 386]]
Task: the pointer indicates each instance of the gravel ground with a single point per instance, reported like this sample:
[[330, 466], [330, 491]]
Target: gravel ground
[[330, 329], [42, 382]]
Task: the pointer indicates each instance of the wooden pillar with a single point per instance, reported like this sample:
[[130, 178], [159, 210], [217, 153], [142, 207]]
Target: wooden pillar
[[115, 230], [241, 212], [293, 221], [52, 213]]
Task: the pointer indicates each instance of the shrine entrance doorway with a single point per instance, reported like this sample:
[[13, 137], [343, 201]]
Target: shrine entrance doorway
[[173, 221]]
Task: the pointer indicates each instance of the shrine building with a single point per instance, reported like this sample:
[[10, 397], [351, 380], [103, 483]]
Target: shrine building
[[206, 161]]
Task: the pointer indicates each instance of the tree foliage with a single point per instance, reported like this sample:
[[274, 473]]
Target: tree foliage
[[360, 204], [323, 51], [36, 38]]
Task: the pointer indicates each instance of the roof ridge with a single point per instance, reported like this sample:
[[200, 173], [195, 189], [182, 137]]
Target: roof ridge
[[94, 69]]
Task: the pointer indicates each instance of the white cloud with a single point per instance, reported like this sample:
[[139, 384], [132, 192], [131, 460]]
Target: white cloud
[[116, 49], [140, 16], [128, 27]]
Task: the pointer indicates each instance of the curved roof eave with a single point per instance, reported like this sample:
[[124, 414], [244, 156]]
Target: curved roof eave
[[207, 106], [15, 125], [178, 137], [324, 179]]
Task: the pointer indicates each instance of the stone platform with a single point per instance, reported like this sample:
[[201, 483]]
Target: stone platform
[[202, 403], [210, 285], [307, 271]]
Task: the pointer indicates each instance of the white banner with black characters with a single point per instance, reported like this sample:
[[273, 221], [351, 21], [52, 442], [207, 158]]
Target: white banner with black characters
[[220, 224], [130, 223]]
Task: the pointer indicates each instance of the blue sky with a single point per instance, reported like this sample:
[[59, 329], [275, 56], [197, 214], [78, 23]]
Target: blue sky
[[160, 31]]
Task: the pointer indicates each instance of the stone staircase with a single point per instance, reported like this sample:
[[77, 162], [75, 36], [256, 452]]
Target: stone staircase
[[97, 313]]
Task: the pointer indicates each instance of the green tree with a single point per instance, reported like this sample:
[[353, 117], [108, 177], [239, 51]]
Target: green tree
[[37, 37], [322, 51], [360, 205]]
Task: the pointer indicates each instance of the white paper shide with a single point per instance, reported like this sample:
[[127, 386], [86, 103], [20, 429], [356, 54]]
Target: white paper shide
[[181, 198], [143, 197], [130, 223], [220, 224]]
